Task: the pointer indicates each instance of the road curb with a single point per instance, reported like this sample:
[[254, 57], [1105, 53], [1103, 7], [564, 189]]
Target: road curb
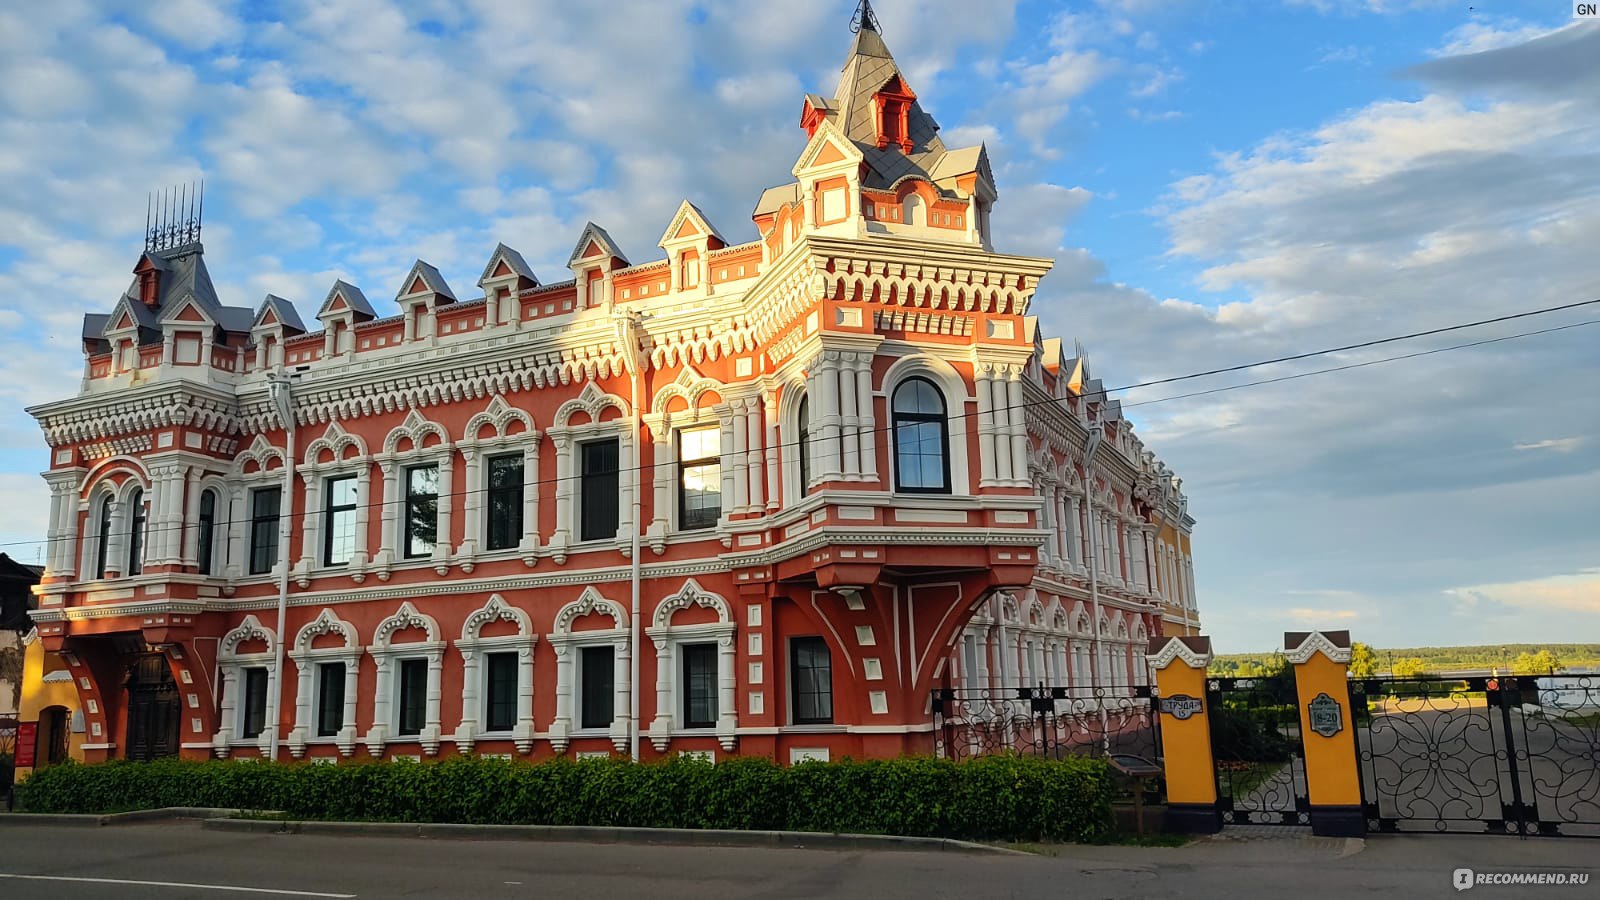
[[91, 820], [682, 837]]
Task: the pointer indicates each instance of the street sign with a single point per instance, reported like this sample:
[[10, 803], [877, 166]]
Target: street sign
[[1327, 716], [1181, 706]]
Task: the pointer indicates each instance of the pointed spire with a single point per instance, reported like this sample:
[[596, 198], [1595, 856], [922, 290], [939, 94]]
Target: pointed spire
[[864, 20]]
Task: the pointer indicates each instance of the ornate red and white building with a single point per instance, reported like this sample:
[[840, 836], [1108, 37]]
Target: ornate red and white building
[[758, 497]]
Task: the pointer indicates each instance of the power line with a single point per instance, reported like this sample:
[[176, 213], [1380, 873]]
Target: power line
[[651, 466]]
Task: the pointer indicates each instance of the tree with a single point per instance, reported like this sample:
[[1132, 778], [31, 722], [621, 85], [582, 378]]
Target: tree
[[1542, 663], [1363, 662], [1408, 667]]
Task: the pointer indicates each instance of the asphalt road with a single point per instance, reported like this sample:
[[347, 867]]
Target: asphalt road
[[180, 860]]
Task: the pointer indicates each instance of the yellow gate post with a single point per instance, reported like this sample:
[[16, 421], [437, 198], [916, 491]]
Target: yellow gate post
[[1321, 661], [1180, 664]]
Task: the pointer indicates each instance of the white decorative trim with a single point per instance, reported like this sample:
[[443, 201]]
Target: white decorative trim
[[471, 646], [567, 644], [1317, 642], [1176, 649], [384, 654], [231, 665], [668, 637], [307, 660]]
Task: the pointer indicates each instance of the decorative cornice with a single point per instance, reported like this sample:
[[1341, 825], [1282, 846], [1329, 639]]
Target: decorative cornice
[[1195, 651], [1300, 646]]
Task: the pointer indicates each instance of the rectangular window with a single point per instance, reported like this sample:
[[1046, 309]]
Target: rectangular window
[[330, 699], [699, 685], [505, 501], [500, 696], [206, 528], [699, 477], [413, 707], [599, 493], [598, 686], [339, 521], [422, 510], [264, 505], [255, 702], [811, 681]]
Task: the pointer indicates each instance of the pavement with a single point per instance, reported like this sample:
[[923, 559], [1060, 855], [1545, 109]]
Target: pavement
[[180, 859]]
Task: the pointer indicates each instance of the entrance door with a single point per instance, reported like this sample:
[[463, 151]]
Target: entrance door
[[152, 709], [1255, 739]]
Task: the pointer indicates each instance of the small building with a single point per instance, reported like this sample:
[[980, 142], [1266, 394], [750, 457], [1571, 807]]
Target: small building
[[756, 496]]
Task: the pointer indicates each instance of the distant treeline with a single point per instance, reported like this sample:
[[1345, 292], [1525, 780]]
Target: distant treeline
[[1435, 659]]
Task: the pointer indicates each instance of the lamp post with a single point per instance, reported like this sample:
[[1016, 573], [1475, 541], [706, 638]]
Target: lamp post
[[280, 388]]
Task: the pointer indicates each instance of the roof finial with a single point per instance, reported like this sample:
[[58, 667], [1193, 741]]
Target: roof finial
[[176, 220], [864, 18]]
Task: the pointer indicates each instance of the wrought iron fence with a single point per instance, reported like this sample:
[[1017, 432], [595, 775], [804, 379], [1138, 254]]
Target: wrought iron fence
[[1256, 745], [1052, 722], [1509, 755]]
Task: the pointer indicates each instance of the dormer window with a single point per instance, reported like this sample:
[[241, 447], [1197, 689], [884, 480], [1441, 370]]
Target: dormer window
[[894, 114]]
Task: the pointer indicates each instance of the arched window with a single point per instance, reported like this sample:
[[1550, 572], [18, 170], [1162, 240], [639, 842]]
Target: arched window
[[135, 533], [912, 212], [207, 526], [803, 442], [103, 538], [921, 442]]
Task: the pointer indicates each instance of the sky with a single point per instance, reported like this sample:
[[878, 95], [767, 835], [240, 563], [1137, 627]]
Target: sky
[[1219, 181]]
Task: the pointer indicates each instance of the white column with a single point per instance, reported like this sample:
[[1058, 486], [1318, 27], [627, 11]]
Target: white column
[[664, 718], [1046, 494], [663, 478], [621, 673], [472, 502], [1018, 418], [189, 529], [625, 481], [754, 456], [849, 423], [238, 522], [774, 461], [986, 425], [393, 500], [530, 495], [312, 527], [562, 727], [867, 421], [564, 482], [361, 555], [825, 397], [447, 476], [736, 460], [728, 461]]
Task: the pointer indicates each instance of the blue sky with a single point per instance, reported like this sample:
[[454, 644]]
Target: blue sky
[[1220, 181]]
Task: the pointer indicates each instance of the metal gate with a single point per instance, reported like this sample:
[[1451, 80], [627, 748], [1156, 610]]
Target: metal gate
[[1511, 755], [1052, 722], [1255, 741]]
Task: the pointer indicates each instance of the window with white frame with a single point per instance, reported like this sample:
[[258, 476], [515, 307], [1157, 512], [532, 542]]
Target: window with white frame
[[264, 511], [406, 699], [921, 439], [500, 447], [599, 489], [600, 417], [699, 477], [136, 520], [106, 511], [418, 463], [338, 520], [422, 511], [497, 677], [246, 663], [694, 669], [325, 699], [592, 669], [810, 681], [206, 525]]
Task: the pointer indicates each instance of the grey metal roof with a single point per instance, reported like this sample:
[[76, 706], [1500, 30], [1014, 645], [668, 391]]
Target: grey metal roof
[[513, 261], [430, 278], [94, 325], [352, 296], [775, 198], [287, 315], [599, 235], [234, 318]]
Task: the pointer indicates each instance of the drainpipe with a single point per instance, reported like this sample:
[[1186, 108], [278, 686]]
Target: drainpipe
[[280, 387], [628, 324], [1096, 438]]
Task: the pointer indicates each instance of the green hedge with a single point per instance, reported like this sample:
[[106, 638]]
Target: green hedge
[[992, 798]]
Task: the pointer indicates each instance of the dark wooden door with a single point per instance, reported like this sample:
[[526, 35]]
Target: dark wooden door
[[152, 709]]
